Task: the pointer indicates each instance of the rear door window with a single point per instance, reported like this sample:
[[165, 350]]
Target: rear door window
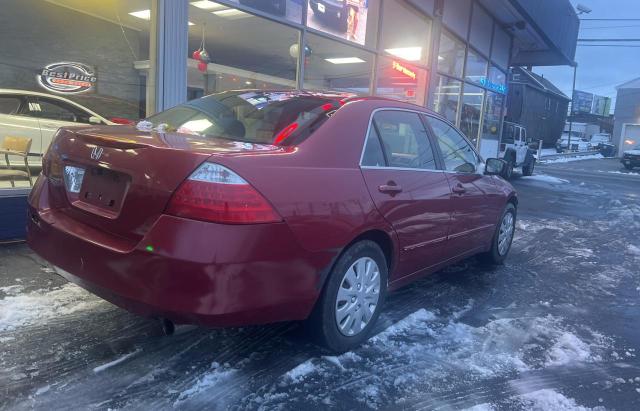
[[403, 140], [51, 109], [373, 155]]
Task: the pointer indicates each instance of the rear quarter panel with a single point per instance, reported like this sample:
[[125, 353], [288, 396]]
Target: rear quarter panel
[[317, 186]]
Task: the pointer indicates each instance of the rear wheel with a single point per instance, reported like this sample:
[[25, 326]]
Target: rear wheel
[[352, 298], [502, 238], [527, 169]]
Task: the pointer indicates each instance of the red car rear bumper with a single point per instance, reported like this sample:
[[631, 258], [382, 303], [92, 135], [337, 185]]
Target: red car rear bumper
[[197, 272]]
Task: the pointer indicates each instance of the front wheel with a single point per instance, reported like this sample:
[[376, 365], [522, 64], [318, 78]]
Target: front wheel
[[352, 298], [508, 170], [502, 237]]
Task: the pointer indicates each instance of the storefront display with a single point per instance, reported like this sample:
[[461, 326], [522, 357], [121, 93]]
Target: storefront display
[[347, 19], [104, 64], [75, 67]]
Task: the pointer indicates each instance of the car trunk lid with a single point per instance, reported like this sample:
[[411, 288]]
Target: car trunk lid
[[119, 179]]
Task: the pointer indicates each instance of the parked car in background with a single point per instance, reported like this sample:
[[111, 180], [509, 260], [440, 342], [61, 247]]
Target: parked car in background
[[578, 143], [38, 116], [631, 158], [515, 150], [251, 207], [598, 139], [335, 10]]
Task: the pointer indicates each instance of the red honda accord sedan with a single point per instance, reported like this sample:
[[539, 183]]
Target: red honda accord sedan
[[252, 207]]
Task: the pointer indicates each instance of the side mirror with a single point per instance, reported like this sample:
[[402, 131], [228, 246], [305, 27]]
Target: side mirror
[[494, 166], [94, 120]]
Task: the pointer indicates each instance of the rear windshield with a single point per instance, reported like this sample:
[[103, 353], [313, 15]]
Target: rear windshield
[[253, 117]]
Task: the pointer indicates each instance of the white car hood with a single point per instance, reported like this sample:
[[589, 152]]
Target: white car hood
[[634, 152]]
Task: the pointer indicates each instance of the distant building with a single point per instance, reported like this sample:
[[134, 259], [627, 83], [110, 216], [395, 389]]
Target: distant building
[[537, 104], [626, 125]]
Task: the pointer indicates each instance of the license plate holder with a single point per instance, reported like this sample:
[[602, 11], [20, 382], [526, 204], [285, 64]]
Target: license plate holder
[[104, 188]]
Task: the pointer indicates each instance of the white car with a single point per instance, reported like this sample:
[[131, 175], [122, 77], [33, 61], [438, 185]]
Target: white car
[[38, 116], [577, 143]]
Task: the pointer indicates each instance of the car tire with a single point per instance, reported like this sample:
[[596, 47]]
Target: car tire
[[527, 169], [498, 252], [324, 324], [508, 170]]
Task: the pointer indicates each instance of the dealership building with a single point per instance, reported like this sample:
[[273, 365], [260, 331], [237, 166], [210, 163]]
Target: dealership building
[[121, 60]]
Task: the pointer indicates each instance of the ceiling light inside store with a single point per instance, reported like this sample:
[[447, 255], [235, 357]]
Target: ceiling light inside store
[[142, 14], [207, 5], [146, 15], [440, 58], [231, 14], [345, 60], [406, 53]]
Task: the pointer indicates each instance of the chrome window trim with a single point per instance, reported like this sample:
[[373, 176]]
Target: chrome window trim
[[366, 136]]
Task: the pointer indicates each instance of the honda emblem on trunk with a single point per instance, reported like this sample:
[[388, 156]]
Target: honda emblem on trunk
[[96, 153]]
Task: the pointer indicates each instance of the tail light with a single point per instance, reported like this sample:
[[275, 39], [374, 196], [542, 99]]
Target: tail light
[[216, 194]]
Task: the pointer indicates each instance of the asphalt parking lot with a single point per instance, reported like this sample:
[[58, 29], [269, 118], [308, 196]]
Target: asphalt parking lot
[[556, 327]]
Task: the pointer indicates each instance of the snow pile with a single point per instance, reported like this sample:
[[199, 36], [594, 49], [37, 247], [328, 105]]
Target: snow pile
[[211, 379], [424, 351], [547, 399], [545, 179], [569, 349], [41, 306], [411, 321], [12, 289], [635, 250], [569, 159], [298, 373]]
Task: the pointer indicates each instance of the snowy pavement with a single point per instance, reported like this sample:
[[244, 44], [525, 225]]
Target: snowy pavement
[[555, 328]]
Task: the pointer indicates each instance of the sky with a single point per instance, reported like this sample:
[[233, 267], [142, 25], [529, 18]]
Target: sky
[[601, 69]]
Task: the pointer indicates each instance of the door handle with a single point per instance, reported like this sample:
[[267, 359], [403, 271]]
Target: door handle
[[459, 189], [390, 188]]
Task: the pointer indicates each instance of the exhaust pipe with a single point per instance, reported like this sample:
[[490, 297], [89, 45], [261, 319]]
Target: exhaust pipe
[[168, 327]]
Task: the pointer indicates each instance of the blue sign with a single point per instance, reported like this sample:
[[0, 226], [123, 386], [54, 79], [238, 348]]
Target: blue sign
[[500, 88]]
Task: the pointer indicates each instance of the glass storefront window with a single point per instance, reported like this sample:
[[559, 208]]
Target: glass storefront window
[[244, 51], [287, 9], [450, 56], [501, 47], [353, 20], [470, 111], [497, 76], [77, 66], [331, 65], [447, 97], [476, 68], [405, 33], [402, 81], [491, 124]]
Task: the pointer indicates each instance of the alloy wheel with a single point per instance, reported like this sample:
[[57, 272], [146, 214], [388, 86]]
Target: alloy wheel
[[506, 233], [358, 296]]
